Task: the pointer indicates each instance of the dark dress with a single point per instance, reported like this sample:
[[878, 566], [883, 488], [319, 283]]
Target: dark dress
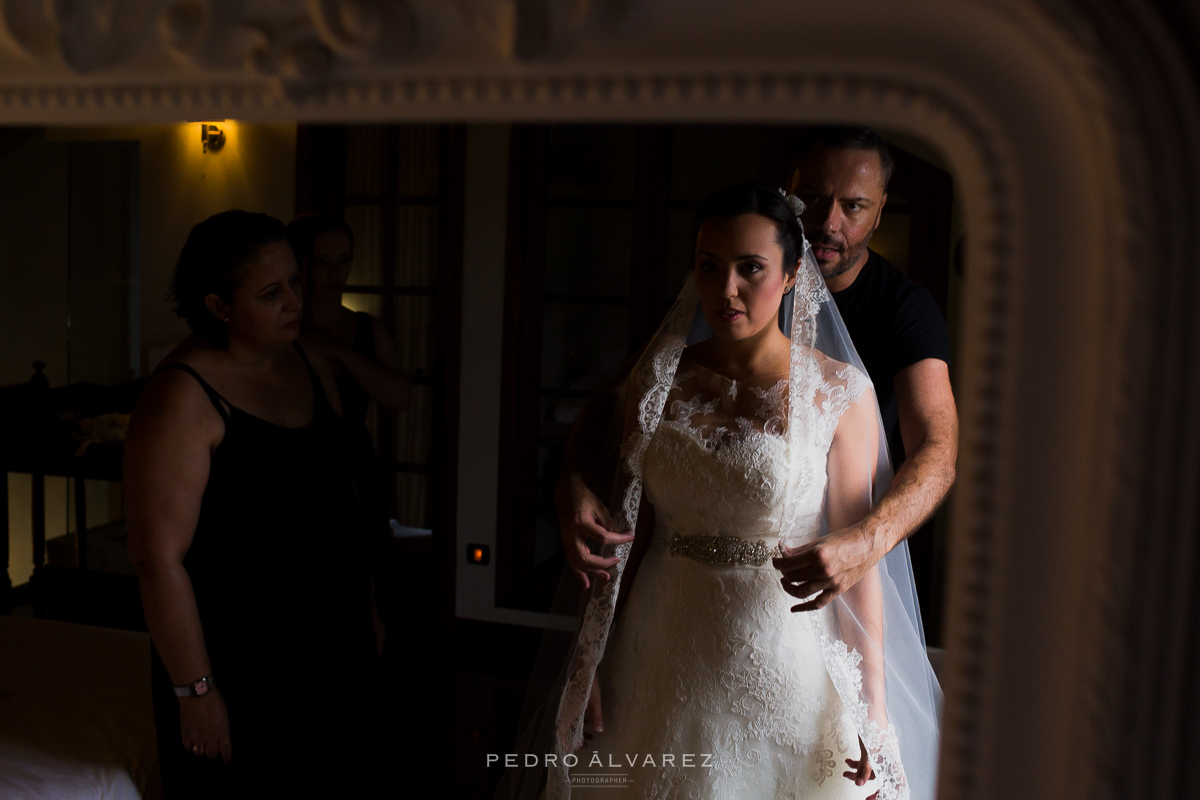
[[355, 402], [354, 398], [280, 567]]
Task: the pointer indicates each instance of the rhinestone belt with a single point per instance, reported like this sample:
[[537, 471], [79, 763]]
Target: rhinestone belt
[[723, 550]]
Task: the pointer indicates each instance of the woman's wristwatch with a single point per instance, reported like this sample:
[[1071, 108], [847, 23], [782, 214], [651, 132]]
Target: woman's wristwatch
[[197, 688]]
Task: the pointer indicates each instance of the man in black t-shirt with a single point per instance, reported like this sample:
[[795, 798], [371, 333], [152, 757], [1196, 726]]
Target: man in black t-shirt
[[895, 325]]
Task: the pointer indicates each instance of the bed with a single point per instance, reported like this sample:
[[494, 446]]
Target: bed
[[76, 722]]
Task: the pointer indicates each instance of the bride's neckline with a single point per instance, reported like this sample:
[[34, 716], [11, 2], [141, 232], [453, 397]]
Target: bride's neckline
[[691, 362]]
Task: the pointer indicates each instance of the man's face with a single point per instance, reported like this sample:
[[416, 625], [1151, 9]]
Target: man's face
[[843, 196]]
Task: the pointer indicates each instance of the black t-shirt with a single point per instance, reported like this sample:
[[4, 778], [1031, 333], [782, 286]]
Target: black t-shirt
[[893, 324]]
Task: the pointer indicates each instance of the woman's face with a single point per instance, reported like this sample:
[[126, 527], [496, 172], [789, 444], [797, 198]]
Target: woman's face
[[740, 275], [329, 264], [266, 306]]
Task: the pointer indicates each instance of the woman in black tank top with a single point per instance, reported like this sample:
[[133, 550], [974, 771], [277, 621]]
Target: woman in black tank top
[[362, 353], [252, 543]]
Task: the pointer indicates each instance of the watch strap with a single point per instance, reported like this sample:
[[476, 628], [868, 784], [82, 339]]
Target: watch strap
[[196, 688]]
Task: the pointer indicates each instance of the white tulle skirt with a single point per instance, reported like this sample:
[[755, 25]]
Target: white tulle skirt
[[712, 689]]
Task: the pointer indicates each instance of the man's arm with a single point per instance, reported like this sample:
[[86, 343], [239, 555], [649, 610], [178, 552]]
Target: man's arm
[[929, 428], [581, 514]]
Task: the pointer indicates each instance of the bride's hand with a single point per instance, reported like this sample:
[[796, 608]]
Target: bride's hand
[[592, 714], [860, 771]]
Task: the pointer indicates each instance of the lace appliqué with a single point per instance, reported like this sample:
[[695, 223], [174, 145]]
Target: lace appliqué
[[811, 292], [703, 405], [883, 745]]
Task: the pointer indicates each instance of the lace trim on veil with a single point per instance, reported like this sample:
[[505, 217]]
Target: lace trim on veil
[[652, 379], [883, 746]]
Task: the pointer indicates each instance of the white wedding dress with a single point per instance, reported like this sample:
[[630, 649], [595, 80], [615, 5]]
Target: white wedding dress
[[705, 657]]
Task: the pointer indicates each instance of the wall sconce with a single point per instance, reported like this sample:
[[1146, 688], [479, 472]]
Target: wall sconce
[[212, 138]]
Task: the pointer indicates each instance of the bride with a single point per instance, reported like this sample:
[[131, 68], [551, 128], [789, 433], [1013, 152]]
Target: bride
[[746, 429]]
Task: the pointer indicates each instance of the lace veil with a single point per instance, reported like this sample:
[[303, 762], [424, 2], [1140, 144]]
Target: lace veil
[[872, 641]]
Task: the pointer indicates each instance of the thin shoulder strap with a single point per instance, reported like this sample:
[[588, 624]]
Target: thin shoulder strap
[[219, 402], [318, 387]]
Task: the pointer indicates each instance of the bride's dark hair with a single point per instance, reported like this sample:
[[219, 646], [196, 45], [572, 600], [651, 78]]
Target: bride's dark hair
[[757, 198]]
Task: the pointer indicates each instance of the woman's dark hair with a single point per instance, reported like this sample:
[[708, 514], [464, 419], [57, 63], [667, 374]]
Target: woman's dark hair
[[758, 198], [211, 263], [302, 232]]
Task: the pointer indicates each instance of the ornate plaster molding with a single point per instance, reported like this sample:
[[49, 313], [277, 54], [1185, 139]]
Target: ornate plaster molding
[[294, 49]]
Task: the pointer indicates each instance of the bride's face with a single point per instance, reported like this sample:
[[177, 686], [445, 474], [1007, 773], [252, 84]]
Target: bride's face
[[740, 275]]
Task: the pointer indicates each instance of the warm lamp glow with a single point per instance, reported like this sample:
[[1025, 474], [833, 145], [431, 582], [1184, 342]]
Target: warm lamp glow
[[216, 136], [221, 174], [212, 137]]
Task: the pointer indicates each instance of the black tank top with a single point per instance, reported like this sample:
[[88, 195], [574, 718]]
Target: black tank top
[[280, 568], [355, 402], [354, 398]]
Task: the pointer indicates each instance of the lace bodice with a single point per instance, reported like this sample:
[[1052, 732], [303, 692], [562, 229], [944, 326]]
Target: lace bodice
[[719, 464]]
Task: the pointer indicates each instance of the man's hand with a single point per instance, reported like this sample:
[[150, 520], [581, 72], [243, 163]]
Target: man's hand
[[829, 566], [582, 516]]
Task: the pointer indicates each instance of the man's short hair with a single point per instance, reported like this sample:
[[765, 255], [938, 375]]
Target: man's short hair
[[847, 138]]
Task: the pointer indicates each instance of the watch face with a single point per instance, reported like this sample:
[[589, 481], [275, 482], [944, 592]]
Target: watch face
[[201, 687]]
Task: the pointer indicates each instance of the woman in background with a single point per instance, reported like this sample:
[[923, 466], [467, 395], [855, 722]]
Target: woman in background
[[250, 537], [357, 344], [359, 351]]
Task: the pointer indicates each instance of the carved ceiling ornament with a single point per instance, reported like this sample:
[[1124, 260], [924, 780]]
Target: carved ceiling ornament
[[532, 29], [358, 30], [297, 45], [1081, 301], [299, 42], [82, 35]]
